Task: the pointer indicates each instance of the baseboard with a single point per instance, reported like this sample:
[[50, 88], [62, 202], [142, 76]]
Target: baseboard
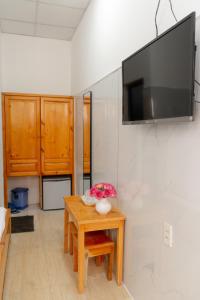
[[128, 291]]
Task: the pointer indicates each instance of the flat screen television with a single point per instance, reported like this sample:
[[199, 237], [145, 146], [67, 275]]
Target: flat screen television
[[158, 80]]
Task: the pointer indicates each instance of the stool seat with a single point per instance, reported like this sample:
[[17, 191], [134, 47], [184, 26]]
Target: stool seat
[[91, 238], [96, 237], [97, 243]]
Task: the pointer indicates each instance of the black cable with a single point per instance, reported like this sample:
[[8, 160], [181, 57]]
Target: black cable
[[157, 9], [158, 5], [172, 10], [197, 82]]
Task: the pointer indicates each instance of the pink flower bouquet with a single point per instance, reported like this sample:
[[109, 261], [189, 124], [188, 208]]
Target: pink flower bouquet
[[103, 190]]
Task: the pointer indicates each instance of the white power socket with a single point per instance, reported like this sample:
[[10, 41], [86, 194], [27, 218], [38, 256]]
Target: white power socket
[[168, 234]]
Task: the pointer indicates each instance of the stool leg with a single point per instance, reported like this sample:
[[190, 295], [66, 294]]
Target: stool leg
[[75, 258], [70, 241], [110, 265], [86, 268], [99, 260]]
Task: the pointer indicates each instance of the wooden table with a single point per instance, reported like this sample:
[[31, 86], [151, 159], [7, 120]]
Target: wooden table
[[87, 219]]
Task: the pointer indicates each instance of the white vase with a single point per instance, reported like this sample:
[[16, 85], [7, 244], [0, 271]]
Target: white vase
[[103, 206]]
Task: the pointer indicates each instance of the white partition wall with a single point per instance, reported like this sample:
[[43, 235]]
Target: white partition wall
[[105, 129], [105, 96]]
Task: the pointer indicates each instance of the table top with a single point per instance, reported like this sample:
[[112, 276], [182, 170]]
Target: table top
[[84, 214]]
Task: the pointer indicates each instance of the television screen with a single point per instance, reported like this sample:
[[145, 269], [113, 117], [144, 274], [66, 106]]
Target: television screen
[[158, 80]]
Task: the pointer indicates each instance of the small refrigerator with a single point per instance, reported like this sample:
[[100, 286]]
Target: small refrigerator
[[86, 182], [54, 189]]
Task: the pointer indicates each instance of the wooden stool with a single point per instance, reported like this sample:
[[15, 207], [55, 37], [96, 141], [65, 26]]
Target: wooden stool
[[97, 243], [72, 231]]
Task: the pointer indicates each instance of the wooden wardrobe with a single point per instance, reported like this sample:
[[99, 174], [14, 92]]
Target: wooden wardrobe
[[38, 135]]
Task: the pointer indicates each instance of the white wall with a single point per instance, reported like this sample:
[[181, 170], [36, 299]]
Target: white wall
[[112, 30], [155, 167], [156, 171], [35, 65]]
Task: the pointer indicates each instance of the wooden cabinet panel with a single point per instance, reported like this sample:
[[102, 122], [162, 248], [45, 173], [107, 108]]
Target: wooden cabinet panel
[[58, 166], [22, 135], [57, 135], [86, 140]]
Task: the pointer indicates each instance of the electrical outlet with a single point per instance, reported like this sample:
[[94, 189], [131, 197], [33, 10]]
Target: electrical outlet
[[168, 235]]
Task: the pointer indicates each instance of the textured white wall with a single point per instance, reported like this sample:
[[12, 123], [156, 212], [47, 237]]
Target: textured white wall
[[156, 171], [155, 167], [111, 30], [35, 65]]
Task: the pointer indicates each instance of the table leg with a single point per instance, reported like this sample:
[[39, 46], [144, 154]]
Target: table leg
[[66, 230], [81, 258], [120, 242]]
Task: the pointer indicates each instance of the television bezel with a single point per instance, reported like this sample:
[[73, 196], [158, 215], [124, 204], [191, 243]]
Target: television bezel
[[191, 16]]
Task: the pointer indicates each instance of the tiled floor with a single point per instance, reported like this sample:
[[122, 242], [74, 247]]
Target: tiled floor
[[38, 269]]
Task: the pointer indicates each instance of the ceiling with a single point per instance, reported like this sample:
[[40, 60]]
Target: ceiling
[[57, 19]]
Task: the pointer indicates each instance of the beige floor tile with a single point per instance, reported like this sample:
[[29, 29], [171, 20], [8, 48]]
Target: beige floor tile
[[11, 295], [38, 269], [35, 294]]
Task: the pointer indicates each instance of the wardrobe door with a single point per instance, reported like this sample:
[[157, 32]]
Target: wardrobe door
[[57, 135], [86, 133], [22, 135]]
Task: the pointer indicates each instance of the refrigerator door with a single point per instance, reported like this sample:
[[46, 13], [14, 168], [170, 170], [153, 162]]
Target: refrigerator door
[[54, 189], [86, 183]]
